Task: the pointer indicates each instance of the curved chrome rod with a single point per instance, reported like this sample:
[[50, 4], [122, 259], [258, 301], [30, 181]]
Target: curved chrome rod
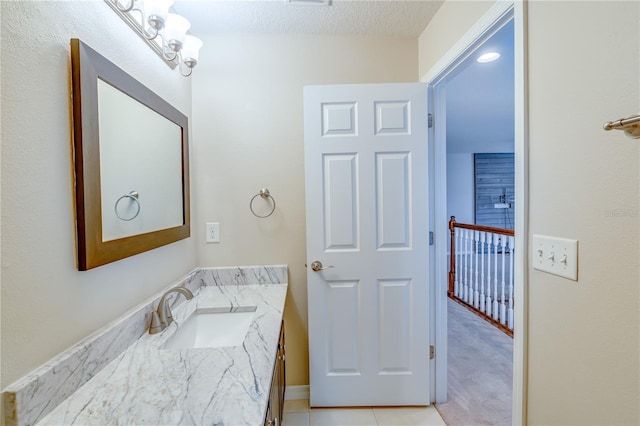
[[264, 193], [133, 195]]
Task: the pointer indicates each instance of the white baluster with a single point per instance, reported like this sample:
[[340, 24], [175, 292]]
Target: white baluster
[[503, 307], [465, 281], [476, 294], [460, 266], [469, 294], [456, 282], [470, 254], [495, 277], [465, 295], [489, 302], [463, 277], [511, 261], [482, 239]]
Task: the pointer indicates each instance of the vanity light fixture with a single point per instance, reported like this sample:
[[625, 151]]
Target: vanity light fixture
[[164, 32], [488, 57]]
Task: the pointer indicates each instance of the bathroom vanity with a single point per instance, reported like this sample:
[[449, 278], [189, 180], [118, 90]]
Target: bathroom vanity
[[150, 382]]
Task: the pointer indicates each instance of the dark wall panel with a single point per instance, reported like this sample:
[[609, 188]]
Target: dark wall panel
[[494, 184]]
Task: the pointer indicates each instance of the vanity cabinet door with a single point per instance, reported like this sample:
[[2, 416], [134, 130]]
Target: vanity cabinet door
[[275, 406], [280, 361]]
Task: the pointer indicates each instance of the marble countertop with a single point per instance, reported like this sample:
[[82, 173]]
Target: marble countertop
[[150, 385]]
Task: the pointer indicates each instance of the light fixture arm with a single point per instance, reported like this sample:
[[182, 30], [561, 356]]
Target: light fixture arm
[[152, 36], [126, 9], [188, 67], [189, 64], [169, 57]]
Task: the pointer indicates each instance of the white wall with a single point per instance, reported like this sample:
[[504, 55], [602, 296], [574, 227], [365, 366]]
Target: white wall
[[583, 345], [248, 126], [460, 187], [47, 305]]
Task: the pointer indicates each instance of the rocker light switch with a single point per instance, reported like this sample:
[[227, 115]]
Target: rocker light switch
[[558, 256]]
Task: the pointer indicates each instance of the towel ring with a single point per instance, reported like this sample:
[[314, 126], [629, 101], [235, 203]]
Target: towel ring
[[264, 193], [133, 195]]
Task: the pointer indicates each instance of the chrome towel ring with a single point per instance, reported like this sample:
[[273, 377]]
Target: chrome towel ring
[[133, 195], [264, 193]]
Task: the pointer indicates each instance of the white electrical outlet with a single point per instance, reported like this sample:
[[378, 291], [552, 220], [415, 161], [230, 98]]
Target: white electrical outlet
[[558, 256], [213, 232]]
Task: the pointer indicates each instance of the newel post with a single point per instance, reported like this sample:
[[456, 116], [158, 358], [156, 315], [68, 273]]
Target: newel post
[[452, 256]]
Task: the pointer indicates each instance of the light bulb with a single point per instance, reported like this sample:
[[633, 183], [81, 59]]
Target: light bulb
[[191, 50], [156, 12], [174, 31]]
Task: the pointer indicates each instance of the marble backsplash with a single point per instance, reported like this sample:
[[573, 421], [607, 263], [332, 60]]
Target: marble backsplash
[[244, 275], [32, 397]]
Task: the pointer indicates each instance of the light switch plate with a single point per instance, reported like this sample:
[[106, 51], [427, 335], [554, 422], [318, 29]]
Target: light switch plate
[[558, 256]]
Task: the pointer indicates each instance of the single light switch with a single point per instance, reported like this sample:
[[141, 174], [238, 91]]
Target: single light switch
[[558, 256]]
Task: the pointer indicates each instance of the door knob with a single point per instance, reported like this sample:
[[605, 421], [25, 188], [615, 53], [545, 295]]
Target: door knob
[[316, 266]]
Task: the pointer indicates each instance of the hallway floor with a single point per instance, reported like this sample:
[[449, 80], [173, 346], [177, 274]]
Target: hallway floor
[[298, 413], [480, 371]]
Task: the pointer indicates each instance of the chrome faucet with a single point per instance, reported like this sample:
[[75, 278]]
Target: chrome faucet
[[161, 318]]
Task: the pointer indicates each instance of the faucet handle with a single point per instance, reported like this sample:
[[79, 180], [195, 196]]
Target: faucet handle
[[156, 325]]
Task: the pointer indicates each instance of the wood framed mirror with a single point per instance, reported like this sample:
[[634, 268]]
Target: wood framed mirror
[[131, 154]]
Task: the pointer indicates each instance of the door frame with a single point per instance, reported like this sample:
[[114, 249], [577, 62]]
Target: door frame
[[501, 12]]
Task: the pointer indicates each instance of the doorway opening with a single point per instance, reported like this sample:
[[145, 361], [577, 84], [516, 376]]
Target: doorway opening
[[479, 102], [470, 120]]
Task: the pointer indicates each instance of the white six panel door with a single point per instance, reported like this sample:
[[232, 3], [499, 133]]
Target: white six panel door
[[367, 217]]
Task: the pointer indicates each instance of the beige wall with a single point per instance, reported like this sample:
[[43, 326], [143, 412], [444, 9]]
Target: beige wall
[[453, 20], [248, 126], [583, 340], [584, 184], [47, 305]]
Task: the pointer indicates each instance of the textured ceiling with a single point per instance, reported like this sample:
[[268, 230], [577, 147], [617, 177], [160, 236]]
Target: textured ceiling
[[403, 18]]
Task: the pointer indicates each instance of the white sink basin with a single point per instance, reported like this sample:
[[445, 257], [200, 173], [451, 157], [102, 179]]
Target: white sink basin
[[206, 328]]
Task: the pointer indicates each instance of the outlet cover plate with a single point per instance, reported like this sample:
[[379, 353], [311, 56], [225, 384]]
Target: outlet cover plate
[[213, 232], [558, 256]]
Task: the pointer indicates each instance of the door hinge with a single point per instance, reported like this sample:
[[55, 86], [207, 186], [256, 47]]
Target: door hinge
[[432, 352], [430, 238], [430, 120]]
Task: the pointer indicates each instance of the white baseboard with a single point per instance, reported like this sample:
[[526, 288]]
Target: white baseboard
[[297, 392]]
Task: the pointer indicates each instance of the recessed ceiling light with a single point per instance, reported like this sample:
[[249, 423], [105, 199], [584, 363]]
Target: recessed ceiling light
[[488, 57]]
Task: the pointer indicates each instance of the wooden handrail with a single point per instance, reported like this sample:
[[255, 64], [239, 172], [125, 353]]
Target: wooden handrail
[[500, 231]]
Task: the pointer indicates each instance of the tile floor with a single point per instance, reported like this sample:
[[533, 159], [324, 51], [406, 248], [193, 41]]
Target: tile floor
[[298, 413]]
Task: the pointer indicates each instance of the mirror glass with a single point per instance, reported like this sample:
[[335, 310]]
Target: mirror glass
[[141, 152], [131, 153]]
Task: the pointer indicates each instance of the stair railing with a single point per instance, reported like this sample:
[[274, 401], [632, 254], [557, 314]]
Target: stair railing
[[481, 271]]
